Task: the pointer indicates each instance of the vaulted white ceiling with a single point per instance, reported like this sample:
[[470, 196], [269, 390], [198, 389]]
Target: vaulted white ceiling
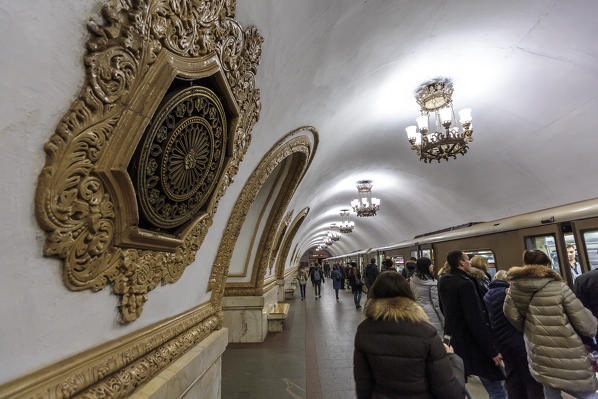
[[528, 70]]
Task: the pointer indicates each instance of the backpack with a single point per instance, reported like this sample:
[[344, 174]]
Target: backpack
[[317, 275]]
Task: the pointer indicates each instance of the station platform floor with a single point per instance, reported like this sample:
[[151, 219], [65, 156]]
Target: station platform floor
[[312, 358]]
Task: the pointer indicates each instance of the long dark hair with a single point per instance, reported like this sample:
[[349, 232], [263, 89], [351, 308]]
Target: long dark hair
[[536, 257], [422, 269], [389, 285]]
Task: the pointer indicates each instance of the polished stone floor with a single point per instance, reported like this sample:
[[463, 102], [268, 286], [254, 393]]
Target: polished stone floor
[[312, 358]]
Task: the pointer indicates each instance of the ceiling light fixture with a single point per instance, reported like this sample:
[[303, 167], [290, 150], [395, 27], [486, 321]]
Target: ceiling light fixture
[[365, 205], [332, 234], [447, 138], [346, 225]]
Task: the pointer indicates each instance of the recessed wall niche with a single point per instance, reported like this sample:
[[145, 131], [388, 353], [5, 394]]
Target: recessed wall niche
[[181, 156]]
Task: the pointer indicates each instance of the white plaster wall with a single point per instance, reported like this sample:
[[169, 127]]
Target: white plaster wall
[[42, 45]]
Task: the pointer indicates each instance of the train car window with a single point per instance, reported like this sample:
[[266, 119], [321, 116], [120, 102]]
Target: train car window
[[547, 244], [427, 253], [590, 240], [414, 253], [487, 254]]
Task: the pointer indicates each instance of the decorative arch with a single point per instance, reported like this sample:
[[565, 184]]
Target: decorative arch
[[288, 239], [301, 144], [280, 235]]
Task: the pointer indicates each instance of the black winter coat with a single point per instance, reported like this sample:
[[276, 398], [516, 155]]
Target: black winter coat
[[356, 283], [466, 323], [398, 354], [586, 289], [371, 272], [508, 340]]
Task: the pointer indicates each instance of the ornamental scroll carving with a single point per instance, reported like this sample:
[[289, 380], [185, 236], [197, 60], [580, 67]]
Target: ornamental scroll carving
[[85, 200]]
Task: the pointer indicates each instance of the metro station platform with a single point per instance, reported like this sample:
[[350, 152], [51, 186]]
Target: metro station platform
[[312, 358]]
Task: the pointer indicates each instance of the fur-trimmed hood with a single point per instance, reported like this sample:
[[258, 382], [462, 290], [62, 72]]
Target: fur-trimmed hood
[[395, 309], [527, 280], [532, 271], [477, 274]]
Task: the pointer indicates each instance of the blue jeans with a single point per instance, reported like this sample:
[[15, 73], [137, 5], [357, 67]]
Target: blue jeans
[[357, 297], [302, 290], [495, 389], [554, 393]]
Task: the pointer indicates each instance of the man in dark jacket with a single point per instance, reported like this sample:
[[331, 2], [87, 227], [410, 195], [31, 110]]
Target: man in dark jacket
[[388, 266], [317, 278], [469, 331], [586, 289], [371, 272]]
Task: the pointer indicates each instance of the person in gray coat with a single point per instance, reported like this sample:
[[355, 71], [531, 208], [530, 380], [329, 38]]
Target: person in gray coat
[[541, 305], [425, 289]]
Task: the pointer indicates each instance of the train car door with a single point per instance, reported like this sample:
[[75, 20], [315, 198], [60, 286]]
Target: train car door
[[586, 233]]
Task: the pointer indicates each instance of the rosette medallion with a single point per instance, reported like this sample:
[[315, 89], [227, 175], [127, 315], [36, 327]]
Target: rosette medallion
[[180, 158]]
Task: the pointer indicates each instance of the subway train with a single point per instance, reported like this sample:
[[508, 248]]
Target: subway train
[[503, 241]]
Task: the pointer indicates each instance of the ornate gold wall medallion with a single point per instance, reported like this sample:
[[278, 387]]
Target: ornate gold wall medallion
[[180, 157], [300, 143], [85, 199]]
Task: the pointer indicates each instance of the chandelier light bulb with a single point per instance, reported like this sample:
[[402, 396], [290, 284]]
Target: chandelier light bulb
[[422, 124], [446, 115], [411, 131], [465, 116]]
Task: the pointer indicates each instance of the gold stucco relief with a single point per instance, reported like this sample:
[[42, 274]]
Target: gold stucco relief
[[84, 198]]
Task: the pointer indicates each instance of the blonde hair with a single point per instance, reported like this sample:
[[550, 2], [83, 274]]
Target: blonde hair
[[479, 262], [444, 269], [500, 275]]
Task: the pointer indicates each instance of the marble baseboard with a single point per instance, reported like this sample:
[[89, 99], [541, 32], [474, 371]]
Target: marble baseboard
[[196, 374]]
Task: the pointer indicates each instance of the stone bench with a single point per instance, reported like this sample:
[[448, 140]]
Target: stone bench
[[277, 317], [289, 293]]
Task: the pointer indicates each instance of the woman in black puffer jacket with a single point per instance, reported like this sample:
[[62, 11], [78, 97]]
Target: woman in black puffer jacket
[[398, 353]]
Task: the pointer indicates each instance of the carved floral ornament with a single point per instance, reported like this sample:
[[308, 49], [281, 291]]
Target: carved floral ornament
[[86, 200]]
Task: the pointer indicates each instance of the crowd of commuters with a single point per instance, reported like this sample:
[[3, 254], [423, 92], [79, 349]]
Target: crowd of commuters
[[524, 333]]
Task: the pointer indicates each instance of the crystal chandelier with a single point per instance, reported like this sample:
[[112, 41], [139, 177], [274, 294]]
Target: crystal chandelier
[[365, 205], [346, 225], [445, 138], [328, 241], [333, 235]]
